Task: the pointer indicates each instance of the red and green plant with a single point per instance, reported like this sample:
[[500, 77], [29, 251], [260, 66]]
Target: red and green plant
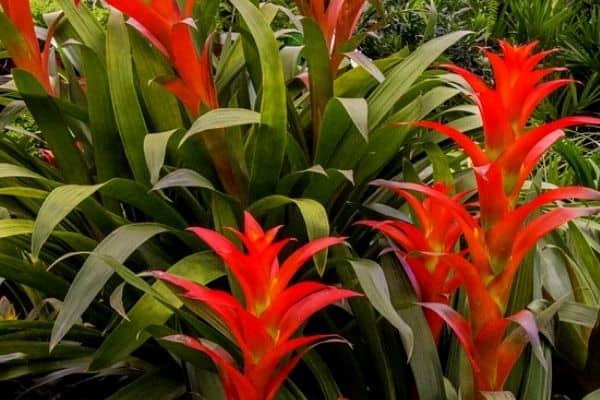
[[424, 246], [500, 233], [264, 324], [20, 40], [167, 27], [337, 20], [114, 106]]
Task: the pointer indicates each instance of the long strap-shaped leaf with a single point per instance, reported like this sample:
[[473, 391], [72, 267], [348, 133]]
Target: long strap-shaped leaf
[[64, 199], [86, 26], [54, 127], [94, 274], [320, 75], [109, 158], [129, 335], [268, 150], [126, 105]]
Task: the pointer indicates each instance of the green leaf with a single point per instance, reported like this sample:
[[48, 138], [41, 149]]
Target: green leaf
[[10, 112], [358, 111], [372, 280], [59, 203], [94, 274], [368, 325], [16, 171], [125, 102], [400, 78], [156, 384], [129, 335], [109, 159], [64, 199], [11, 357], [229, 64], [268, 150], [161, 106], [320, 76], [363, 61], [155, 150], [583, 251], [86, 26], [222, 118], [138, 196], [314, 216], [116, 301], [322, 374], [336, 122], [19, 271], [538, 379], [425, 362], [357, 82], [450, 390], [39, 350], [54, 127], [183, 178], [15, 227], [579, 314], [595, 395], [42, 366], [439, 161]]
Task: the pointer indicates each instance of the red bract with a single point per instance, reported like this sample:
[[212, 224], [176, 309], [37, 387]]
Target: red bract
[[273, 310], [423, 246], [167, 26], [489, 273], [511, 148], [337, 21], [18, 36], [47, 156]]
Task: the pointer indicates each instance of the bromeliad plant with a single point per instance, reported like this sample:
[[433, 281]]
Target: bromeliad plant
[[21, 41], [337, 20], [264, 324], [167, 27], [501, 233], [124, 180], [424, 246]]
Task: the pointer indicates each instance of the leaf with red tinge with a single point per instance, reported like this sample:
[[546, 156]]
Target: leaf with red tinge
[[460, 327], [528, 237], [526, 320]]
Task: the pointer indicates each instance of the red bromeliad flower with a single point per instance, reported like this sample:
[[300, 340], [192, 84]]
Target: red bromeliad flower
[[492, 356], [273, 310], [337, 20], [511, 148], [423, 247], [499, 236], [167, 26], [18, 36]]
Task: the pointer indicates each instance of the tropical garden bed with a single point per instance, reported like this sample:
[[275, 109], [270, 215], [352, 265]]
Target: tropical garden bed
[[299, 200]]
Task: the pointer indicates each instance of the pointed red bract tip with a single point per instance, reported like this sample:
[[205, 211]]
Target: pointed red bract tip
[[165, 25], [264, 326]]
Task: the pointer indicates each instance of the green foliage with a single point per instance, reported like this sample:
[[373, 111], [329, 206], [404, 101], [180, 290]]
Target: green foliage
[[132, 171]]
